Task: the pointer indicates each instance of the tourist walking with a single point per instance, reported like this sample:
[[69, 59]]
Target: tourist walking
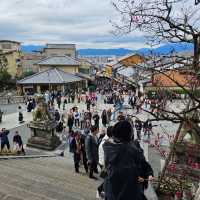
[[4, 139], [91, 147], [58, 99], [147, 127], [83, 152], [96, 119], [76, 118], [103, 173], [75, 148], [20, 116], [64, 103], [57, 115], [125, 163], [82, 119], [88, 103], [70, 121], [138, 127], [18, 143], [104, 118], [109, 114]]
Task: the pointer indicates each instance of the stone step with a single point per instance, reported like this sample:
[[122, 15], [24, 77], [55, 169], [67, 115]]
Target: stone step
[[44, 178], [9, 157], [50, 178], [44, 170]]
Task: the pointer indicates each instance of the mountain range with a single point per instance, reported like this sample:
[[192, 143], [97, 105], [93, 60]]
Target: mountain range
[[164, 49]]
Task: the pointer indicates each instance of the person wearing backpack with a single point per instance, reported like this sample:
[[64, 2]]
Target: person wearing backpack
[[124, 163]]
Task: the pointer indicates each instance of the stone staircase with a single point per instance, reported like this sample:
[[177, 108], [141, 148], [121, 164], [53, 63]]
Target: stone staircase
[[44, 179], [47, 178]]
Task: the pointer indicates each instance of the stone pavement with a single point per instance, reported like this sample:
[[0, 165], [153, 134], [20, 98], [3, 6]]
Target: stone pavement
[[10, 121], [44, 179]]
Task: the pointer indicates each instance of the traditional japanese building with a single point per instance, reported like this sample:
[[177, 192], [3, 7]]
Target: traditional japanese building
[[51, 79]]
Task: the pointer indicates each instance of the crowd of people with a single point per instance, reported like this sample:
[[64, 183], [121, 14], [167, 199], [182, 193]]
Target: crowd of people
[[116, 156], [100, 140]]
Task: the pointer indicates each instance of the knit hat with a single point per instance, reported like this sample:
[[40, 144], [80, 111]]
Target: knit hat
[[123, 131]]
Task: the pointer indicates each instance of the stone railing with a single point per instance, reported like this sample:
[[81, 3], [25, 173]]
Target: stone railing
[[11, 100]]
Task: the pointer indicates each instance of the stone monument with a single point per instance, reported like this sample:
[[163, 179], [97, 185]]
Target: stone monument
[[43, 128]]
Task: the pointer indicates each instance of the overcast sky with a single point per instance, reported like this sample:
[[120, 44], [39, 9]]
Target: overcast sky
[[83, 22]]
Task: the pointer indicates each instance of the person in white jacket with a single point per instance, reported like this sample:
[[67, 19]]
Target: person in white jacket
[[107, 137]]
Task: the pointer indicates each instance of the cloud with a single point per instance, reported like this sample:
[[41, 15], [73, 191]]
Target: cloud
[[83, 22]]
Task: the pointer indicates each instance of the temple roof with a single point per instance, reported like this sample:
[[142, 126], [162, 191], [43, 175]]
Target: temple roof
[[59, 60], [50, 76]]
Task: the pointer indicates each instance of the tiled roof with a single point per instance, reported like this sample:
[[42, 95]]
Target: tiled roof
[[59, 60], [162, 80], [52, 76]]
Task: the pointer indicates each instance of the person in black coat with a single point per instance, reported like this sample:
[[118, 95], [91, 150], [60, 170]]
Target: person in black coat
[[104, 118], [29, 106], [83, 152], [96, 119], [125, 165], [20, 117], [17, 140], [138, 127], [75, 148], [57, 116], [4, 139], [88, 103], [70, 122], [91, 147]]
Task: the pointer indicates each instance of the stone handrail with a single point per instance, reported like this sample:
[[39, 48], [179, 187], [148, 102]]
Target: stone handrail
[[4, 100]]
